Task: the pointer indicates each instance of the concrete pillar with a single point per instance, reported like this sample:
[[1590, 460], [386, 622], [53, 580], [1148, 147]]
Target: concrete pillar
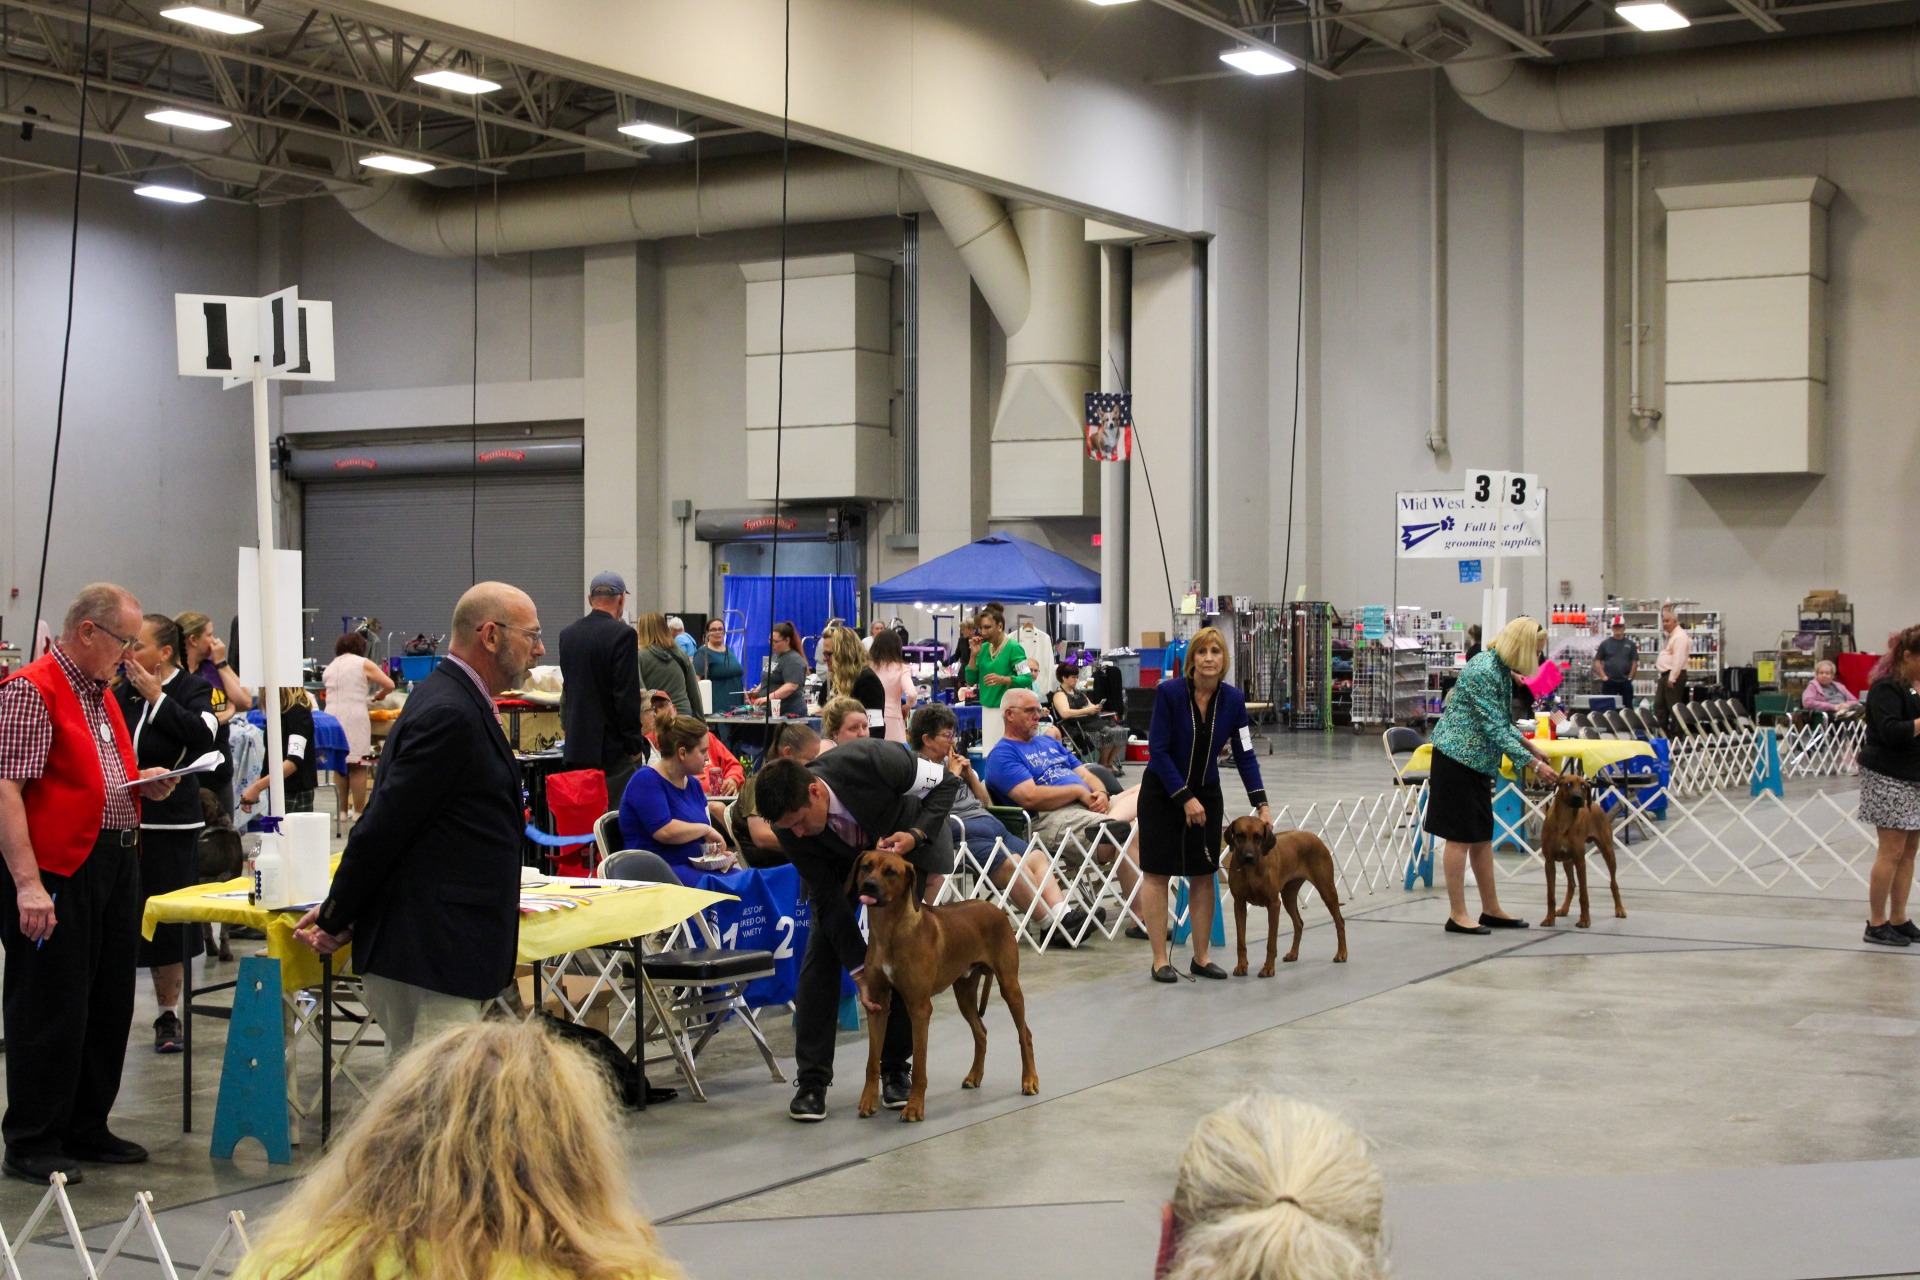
[[621, 428], [955, 412], [1161, 476], [1566, 388], [1116, 361]]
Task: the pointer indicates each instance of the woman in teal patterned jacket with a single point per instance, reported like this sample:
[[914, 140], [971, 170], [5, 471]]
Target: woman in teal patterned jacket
[[1474, 732]]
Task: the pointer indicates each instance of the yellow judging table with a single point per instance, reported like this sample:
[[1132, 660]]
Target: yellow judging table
[[1593, 755], [608, 914]]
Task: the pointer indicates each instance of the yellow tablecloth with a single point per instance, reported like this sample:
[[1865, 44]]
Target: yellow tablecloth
[[610, 915], [1593, 754]]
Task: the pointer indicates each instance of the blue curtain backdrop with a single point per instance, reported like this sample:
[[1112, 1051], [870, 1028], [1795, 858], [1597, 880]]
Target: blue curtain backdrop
[[805, 600]]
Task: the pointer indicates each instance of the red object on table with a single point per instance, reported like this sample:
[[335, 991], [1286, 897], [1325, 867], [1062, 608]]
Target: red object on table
[[576, 799]]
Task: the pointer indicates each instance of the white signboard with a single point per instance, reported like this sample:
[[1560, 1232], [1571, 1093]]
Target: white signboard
[[1519, 490], [217, 336], [285, 674], [1440, 525]]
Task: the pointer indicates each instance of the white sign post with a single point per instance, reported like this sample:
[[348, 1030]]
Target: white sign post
[[1521, 492], [253, 340]]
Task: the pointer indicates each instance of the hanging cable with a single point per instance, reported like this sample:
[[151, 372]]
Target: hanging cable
[[780, 359], [1299, 345], [66, 342], [473, 406]]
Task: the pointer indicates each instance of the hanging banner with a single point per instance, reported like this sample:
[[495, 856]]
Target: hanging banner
[[1440, 525], [1109, 426]]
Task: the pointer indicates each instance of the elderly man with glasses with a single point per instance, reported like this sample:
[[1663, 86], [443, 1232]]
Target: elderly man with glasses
[[428, 888], [69, 832]]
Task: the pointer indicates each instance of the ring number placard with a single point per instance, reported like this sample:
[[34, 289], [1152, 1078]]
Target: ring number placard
[[1515, 490]]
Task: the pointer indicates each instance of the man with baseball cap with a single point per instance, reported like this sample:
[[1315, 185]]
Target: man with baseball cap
[[1614, 661], [600, 671]]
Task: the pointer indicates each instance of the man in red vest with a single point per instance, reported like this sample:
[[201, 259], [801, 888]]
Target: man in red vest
[[70, 910]]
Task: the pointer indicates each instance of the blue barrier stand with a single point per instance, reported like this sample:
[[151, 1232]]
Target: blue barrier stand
[[1184, 930], [849, 1013], [1420, 860], [1509, 816], [253, 1077], [1766, 766]]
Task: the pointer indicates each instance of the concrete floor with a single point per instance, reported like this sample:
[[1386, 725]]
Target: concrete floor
[[1719, 1085]]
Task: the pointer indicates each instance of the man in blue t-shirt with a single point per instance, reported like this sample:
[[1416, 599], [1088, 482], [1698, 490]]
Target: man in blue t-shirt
[[1061, 795]]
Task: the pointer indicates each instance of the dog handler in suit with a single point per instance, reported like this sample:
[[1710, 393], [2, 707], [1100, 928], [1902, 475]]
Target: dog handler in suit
[[600, 683], [858, 797], [428, 889]]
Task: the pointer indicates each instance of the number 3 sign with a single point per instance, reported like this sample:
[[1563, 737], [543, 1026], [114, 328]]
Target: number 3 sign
[[1516, 490]]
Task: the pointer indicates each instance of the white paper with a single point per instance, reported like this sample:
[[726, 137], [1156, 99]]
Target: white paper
[[286, 673], [205, 764]]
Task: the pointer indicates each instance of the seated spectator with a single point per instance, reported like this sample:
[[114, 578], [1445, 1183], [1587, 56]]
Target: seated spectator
[[1825, 693], [1061, 796], [753, 835], [1079, 719], [664, 809], [932, 735], [1274, 1188], [724, 772], [842, 720], [495, 1153]]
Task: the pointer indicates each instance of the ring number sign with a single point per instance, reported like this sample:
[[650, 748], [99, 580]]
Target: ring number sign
[[1515, 490]]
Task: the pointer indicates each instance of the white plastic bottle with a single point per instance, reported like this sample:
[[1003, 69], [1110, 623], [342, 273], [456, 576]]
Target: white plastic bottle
[[270, 872]]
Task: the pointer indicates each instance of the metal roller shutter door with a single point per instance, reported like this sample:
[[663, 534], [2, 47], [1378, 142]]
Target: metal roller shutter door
[[403, 549]]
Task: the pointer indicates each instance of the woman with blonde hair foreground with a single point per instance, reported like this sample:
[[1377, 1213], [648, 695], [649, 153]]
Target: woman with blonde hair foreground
[[1273, 1188], [492, 1155]]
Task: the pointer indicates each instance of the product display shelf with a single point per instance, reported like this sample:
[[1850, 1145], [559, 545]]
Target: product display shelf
[[1572, 640], [1440, 649], [1260, 656], [1310, 625]]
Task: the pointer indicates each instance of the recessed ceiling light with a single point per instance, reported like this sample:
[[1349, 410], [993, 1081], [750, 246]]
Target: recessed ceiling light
[[395, 164], [1255, 62], [175, 195], [1653, 16], [458, 81], [199, 15], [656, 133], [1106, 3], [188, 120]]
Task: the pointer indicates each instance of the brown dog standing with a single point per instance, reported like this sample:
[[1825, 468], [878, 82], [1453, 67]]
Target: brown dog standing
[[1572, 820], [1267, 870], [917, 951]]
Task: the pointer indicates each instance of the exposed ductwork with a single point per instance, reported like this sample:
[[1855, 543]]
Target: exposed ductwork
[[1739, 79], [1041, 279], [614, 206]]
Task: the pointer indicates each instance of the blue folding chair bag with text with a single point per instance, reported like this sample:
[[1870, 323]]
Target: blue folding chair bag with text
[[768, 917]]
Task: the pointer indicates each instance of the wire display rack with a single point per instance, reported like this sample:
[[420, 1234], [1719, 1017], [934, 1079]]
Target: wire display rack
[[1261, 658], [1310, 625]]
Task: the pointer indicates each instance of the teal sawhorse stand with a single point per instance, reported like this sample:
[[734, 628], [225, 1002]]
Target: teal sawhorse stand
[[253, 1078], [1182, 931], [1420, 860], [1766, 766]]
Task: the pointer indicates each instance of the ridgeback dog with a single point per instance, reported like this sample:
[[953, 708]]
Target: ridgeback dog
[[1267, 869], [916, 952], [1573, 819]]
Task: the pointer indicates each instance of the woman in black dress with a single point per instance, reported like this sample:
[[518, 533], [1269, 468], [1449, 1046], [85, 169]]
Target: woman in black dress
[[1181, 808], [170, 715]]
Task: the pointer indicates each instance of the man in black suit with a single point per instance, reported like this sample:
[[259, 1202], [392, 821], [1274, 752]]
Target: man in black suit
[[428, 889], [600, 675], [864, 794]]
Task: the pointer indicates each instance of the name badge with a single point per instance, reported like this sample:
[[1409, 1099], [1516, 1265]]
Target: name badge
[[1246, 738]]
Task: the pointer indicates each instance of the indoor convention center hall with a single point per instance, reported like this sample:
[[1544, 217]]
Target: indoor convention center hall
[[1049, 639]]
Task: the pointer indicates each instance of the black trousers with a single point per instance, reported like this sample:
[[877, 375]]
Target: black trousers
[[816, 1012], [1665, 695], [68, 1002], [1621, 689]]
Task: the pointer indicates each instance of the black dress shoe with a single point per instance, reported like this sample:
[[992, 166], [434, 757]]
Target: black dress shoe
[[1462, 928], [1135, 932], [809, 1104], [38, 1169], [1501, 922], [1207, 970], [105, 1148], [1165, 973], [895, 1088]]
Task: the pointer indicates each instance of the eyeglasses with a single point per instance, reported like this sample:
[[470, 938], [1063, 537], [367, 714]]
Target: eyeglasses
[[534, 633], [125, 642]]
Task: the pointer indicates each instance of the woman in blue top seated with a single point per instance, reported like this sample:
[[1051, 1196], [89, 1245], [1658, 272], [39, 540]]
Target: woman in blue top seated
[[1474, 732], [664, 809], [1194, 716]]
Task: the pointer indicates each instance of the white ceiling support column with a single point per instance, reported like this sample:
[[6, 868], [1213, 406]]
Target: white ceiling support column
[[621, 429], [1163, 429], [1116, 362], [956, 418], [1566, 389]]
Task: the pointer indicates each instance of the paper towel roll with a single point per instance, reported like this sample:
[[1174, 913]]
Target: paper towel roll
[[706, 694], [305, 841]]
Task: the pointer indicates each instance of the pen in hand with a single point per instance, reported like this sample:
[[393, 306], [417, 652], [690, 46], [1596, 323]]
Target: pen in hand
[[41, 942]]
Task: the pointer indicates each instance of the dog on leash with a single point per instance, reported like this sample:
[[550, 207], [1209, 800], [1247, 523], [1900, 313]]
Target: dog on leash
[[1573, 819], [917, 951], [1266, 869], [220, 858]]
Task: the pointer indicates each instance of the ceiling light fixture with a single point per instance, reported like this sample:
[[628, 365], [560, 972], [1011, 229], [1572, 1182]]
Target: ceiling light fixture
[[457, 81], [199, 15], [1255, 62], [395, 164], [1653, 16], [188, 120], [660, 133], [1109, 3], [173, 195]]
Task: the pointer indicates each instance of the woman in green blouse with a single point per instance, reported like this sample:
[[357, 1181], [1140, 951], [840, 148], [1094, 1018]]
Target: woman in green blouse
[[999, 664], [1474, 732]]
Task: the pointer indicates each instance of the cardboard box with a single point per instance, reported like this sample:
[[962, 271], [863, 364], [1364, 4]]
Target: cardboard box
[[596, 1015], [1153, 639], [1825, 598]]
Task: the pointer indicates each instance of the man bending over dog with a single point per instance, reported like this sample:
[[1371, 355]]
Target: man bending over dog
[[857, 797]]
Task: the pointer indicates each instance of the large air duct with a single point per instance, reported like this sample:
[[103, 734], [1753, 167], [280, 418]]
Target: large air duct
[[1041, 279]]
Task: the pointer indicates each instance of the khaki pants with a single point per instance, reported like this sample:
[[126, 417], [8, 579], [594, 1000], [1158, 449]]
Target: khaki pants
[[407, 1013]]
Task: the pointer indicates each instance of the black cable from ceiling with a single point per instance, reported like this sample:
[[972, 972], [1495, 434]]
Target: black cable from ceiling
[[780, 360], [66, 342], [1299, 348], [473, 405]]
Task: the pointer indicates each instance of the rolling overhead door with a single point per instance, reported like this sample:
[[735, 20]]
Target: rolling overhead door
[[402, 549]]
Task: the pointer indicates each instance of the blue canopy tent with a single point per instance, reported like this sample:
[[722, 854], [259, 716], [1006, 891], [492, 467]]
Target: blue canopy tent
[[998, 567]]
